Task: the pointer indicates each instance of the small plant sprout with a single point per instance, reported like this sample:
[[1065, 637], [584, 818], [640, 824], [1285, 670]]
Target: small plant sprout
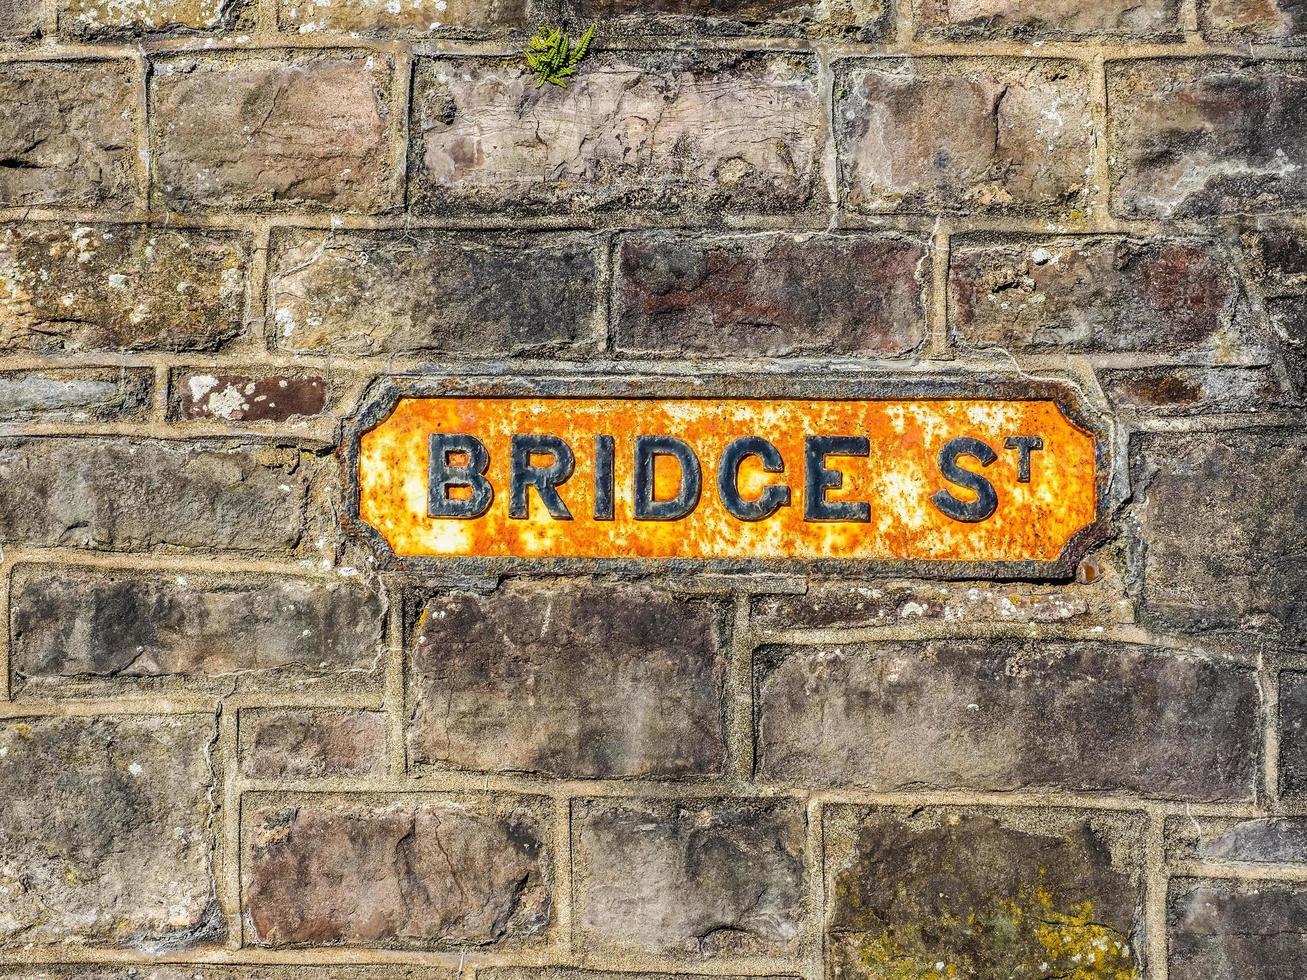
[[552, 56]]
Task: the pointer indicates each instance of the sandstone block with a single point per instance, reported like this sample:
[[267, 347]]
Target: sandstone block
[[104, 19], [221, 396], [120, 494], [570, 679], [474, 18], [68, 134], [977, 135], [958, 891], [1095, 294], [1191, 138], [75, 287], [1260, 20], [269, 130], [770, 294], [1232, 930], [106, 824], [295, 743], [690, 879], [1265, 840], [437, 292], [1048, 19], [398, 871], [101, 629], [657, 131], [1193, 391], [1293, 732], [1221, 522], [867, 20], [1003, 715], [20, 20]]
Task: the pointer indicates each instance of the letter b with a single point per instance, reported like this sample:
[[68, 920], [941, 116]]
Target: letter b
[[441, 476]]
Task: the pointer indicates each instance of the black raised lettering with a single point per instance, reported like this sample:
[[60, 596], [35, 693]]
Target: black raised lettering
[[441, 476], [545, 479], [647, 449], [986, 502], [772, 498], [818, 478]]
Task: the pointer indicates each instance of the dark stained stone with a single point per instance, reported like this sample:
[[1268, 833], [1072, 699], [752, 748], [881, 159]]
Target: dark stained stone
[[1293, 732], [1193, 390], [1003, 715], [1235, 930], [770, 294], [569, 678], [1221, 523], [1265, 840], [309, 743], [225, 397]]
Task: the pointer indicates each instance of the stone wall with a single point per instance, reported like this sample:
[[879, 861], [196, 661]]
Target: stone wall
[[231, 749]]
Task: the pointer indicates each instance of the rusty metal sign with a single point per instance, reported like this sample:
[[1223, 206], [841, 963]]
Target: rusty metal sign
[[555, 475]]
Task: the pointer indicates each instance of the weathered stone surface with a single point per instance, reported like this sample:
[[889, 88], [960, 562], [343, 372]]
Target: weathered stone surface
[[770, 294], [1007, 714], [215, 971], [1070, 19], [77, 287], [846, 603], [20, 20], [106, 824], [112, 18], [1197, 137], [1018, 135], [67, 136], [1293, 732], [279, 396], [569, 678], [692, 879], [465, 293], [564, 973], [1262, 20], [1279, 258], [1289, 321], [1231, 930], [1267, 840], [88, 627], [1095, 294], [964, 892], [304, 743], [398, 871], [414, 17], [94, 395], [1193, 391], [866, 19], [122, 494], [307, 130], [655, 131], [1222, 526]]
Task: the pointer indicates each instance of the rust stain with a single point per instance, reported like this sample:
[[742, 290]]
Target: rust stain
[[1033, 521]]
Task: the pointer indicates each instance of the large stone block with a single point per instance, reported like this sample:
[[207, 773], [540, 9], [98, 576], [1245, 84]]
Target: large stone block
[[964, 892], [867, 20], [410, 871], [1096, 295], [1221, 526], [1049, 19], [310, 743], [76, 287], [475, 18], [223, 396], [1263, 840], [972, 135], [270, 130], [111, 19], [690, 879], [433, 292], [68, 134], [20, 20], [655, 131], [1293, 733], [770, 294], [96, 630], [571, 679], [1002, 715], [1235, 930], [1193, 390], [107, 829], [216, 971], [1192, 138], [120, 494]]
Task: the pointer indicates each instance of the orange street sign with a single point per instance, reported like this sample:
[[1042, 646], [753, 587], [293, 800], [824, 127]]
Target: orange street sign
[[915, 480]]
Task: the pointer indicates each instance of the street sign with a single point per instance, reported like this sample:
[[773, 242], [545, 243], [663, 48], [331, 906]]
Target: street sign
[[910, 479]]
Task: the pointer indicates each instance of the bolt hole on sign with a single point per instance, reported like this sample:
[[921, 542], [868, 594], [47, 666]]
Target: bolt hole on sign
[[916, 474]]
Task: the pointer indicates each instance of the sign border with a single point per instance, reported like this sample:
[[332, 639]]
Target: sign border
[[380, 398]]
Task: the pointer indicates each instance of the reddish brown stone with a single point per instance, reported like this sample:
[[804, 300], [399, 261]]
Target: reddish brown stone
[[130, 18], [1191, 391], [398, 871], [290, 743], [770, 294], [264, 129], [225, 397], [866, 19], [475, 18], [1244, 20]]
